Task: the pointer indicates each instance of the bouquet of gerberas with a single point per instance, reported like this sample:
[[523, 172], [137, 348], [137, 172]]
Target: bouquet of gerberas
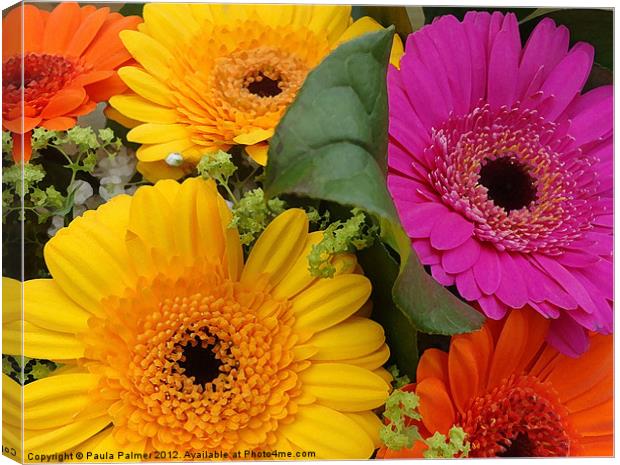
[[229, 230]]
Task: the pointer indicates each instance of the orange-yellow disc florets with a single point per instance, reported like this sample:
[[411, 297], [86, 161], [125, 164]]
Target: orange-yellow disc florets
[[200, 364]]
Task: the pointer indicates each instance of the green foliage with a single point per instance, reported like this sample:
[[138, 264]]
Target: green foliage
[[340, 237], [252, 213], [331, 144], [398, 380], [7, 142], [400, 407], [401, 431], [454, 446], [33, 368], [218, 166]]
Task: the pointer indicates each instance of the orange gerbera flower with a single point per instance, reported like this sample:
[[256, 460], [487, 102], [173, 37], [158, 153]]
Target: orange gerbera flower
[[67, 60], [514, 395]]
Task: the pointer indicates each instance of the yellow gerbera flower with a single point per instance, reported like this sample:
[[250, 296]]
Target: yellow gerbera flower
[[213, 76], [171, 343]]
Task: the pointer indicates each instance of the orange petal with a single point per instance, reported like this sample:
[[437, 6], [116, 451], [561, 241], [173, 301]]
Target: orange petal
[[60, 123], [595, 421], [538, 327], [107, 41], [596, 446], [463, 372], [545, 363], [115, 60], [64, 101], [433, 364], [12, 33], [92, 77], [482, 345], [63, 21], [89, 27], [585, 371], [103, 90], [415, 452], [34, 26], [509, 347], [83, 109], [435, 405], [15, 125], [599, 393], [22, 153]]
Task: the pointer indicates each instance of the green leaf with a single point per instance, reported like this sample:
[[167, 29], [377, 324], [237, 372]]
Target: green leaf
[[332, 143], [132, 9]]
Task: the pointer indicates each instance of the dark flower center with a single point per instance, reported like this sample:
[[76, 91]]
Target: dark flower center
[[200, 362], [520, 446], [509, 184], [262, 85]]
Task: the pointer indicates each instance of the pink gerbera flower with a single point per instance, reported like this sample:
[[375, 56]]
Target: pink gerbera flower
[[501, 169]]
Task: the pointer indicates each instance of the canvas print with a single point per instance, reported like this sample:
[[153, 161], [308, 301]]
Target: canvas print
[[304, 232]]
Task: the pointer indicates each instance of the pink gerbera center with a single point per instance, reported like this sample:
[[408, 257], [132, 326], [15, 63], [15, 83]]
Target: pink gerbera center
[[510, 173], [43, 76]]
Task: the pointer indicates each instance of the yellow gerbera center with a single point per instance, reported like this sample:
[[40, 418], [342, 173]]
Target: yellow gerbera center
[[231, 79], [258, 81], [205, 365]]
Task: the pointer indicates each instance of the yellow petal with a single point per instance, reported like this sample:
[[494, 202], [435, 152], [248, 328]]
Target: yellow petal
[[63, 438], [384, 374], [151, 133], [234, 250], [56, 400], [367, 24], [152, 55], [343, 387], [298, 277], [102, 271], [105, 441], [50, 308], [253, 137], [353, 338], [196, 218], [258, 153], [278, 247], [327, 302], [150, 218], [115, 115], [12, 440], [39, 342], [11, 300], [11, 401], [145, 85], [370, 423], [137, 108], [331, 434], [170, 23], [159, 152], [154, 171], [371, 361], [330, 21]]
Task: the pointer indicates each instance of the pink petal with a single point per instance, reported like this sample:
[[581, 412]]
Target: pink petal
[[420, 221], [450, 231], [541, 287], [441, 276], [492, 307], [477, 34], [577, 259], [487, 270], [546, 309], [596, 119], [567, 336], [503, 64], [568, 78], [512, 289], [566, 279], [424, 251], [545, 47], [461, 258], [467, 287]]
